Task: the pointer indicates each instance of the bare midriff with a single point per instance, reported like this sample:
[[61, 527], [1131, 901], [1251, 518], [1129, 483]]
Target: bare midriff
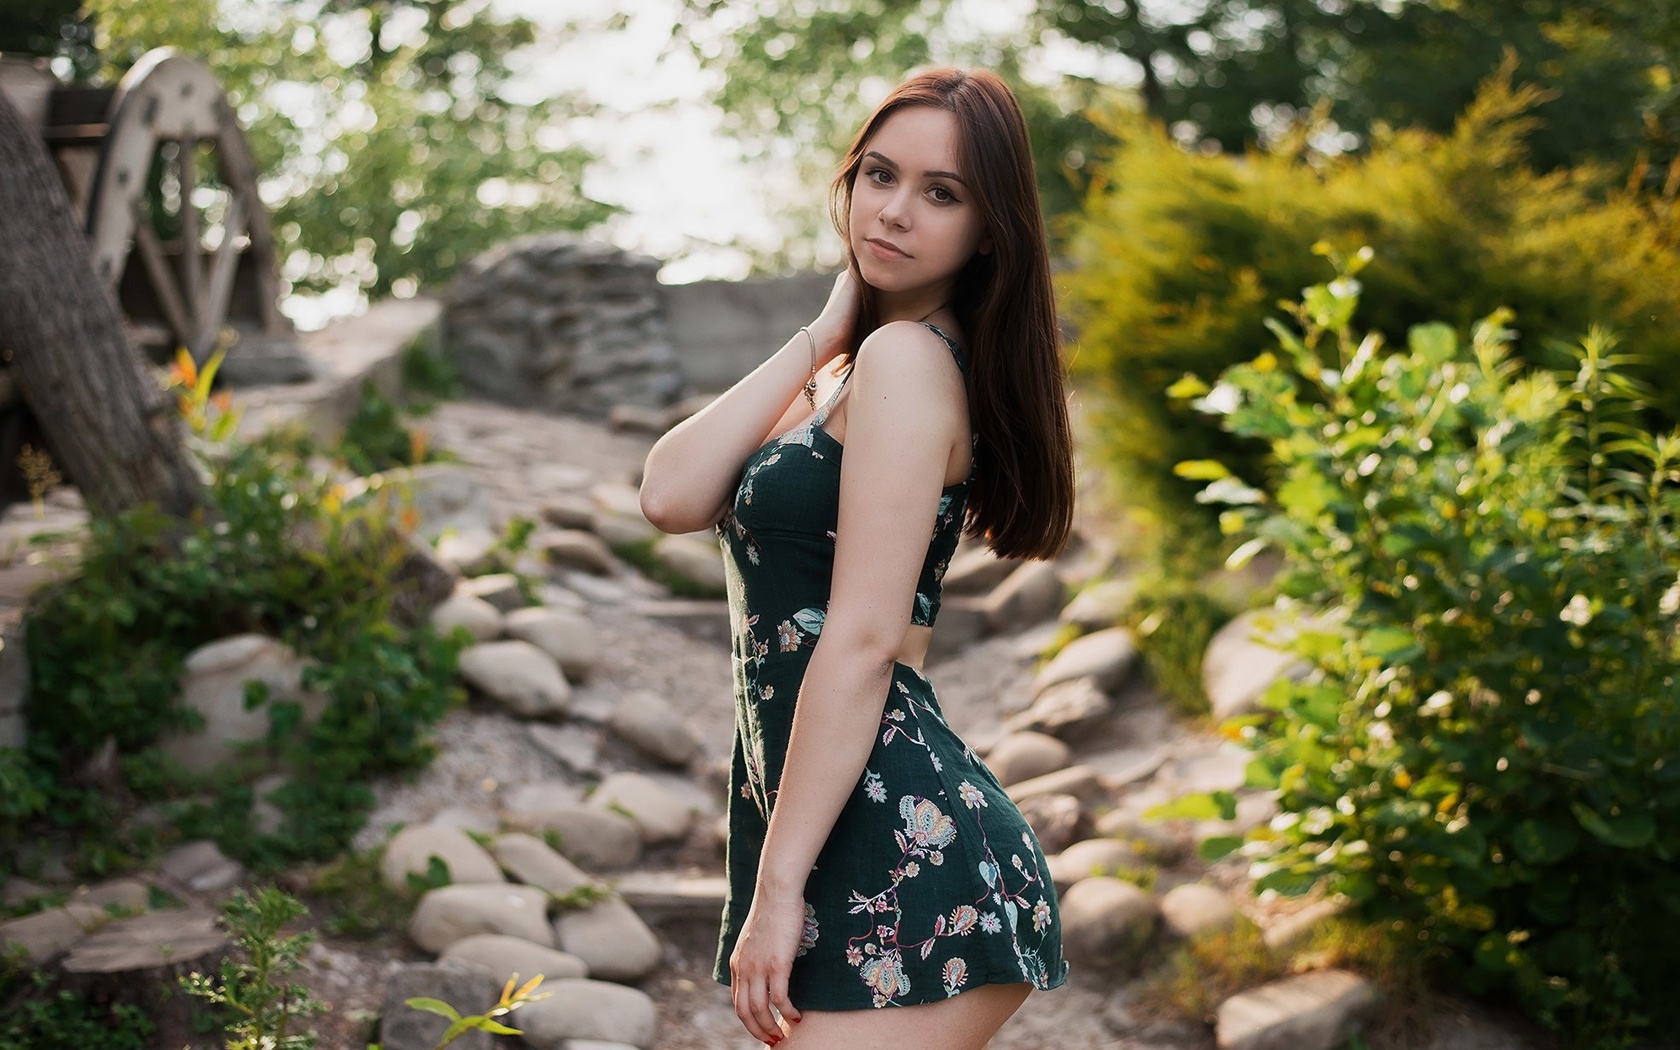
[[912, 652]]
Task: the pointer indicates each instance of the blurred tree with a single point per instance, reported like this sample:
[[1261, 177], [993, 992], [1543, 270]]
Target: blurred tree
[[1231, 72], [390, 142]]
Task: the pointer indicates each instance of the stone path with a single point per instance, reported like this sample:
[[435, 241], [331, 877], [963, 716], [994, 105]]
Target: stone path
[[498, 771]]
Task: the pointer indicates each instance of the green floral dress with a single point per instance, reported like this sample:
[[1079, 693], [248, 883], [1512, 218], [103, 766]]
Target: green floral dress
[[930, 882]]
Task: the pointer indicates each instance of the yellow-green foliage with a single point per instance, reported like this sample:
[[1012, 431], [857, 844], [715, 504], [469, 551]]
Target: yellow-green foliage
[[1180, 257]]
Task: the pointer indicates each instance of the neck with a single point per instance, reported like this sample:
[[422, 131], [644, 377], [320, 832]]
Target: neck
[[916, 305]]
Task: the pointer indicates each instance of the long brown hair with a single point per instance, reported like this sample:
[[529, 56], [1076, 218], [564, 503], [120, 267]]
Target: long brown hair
[[1022, 499]]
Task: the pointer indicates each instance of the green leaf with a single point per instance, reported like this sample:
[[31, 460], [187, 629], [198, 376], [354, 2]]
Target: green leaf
[[1544, 843], [1390, 644], [497, 1028], [1187, 807], [433, 1006], [1435, 342], [1629, 831], [1217, 847]]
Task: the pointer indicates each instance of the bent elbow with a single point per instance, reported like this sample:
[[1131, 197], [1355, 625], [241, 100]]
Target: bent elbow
[[670, 515]]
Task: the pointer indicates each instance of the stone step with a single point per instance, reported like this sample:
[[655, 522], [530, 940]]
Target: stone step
[[663, 893]]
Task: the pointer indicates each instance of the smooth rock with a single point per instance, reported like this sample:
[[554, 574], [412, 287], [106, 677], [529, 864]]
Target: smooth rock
[[620, 530], [1290, 930], [1029, 594], [443, 496], [122, 895], [695, 560], [214, 685], [1100, 605], [576, 548], [449, 913], [1079, 781], [401, 1027], [46, 935], [611, 939], [470, 551], [1106, 922], [1237, 667], [467, 818], [518, 676], [200, 867], [502, 957], [977, 570], [962, 622], [569, 510], [1154, 841], [1056, 820], [647, 721], [567, 636], [588, 1009], [480, 619], [524, 803], [126, 950], [659, 814], [578, 747], [704, 618], [1309, 1011], [1065, 709], [1090, 857], [1106, 657], [411, 850], [1196, 907], [530, 860], [1025, 755], [500, 589], [591, 837]]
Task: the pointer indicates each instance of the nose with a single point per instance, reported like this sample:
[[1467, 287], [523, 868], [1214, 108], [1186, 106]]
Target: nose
[[895, 210]]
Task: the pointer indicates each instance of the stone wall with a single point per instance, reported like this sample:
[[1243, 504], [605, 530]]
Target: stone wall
[[556, 322], [723, 329]]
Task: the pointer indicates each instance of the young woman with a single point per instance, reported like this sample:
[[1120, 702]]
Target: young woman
[[873, 859]]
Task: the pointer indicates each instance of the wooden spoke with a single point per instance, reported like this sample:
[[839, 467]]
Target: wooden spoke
[[162, 276], [222, 266], [192, 248]]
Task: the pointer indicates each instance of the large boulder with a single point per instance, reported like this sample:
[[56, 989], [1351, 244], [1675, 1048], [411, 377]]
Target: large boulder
[[411, 850], [518, 676], [1026, 754], [649, 722], [214, 686], [1310, 1011], [449, 913], [588, 1009], [1106, 657], [569, 637], [659, 814], [611, 939], [1106, 922]]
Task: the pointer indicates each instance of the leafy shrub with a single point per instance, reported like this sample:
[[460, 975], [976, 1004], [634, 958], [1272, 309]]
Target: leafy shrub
[[276, 550], [1485, 752], [1179, 257], [37, 1015]]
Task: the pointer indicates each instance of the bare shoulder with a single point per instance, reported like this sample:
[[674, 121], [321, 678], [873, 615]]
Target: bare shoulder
[[905, 355]]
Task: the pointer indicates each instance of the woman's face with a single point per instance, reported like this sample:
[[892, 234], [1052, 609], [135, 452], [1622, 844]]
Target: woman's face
[[913, 221]]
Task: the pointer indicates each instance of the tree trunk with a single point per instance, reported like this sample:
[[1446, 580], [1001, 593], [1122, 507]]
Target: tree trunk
[[114, 430]]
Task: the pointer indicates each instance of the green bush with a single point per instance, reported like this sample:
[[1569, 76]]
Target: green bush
[[1485, 752], [1179, 257], [37, 1015], [276, 550]]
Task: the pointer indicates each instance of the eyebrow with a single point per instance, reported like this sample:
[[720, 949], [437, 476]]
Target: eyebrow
[[934, 174]]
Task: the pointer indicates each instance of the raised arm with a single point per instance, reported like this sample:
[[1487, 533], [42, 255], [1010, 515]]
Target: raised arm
[[691, 472], [904, 420]]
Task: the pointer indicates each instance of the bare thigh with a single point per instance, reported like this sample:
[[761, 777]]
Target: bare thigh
[[963, 1022]]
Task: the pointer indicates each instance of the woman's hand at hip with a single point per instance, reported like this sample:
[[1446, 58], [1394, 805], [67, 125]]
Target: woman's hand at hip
[[762, 961]]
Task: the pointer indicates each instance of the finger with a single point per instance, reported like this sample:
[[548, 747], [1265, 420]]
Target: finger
[[779, 997], [749, 989], [759, 999]]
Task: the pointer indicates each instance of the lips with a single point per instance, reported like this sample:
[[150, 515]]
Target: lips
[[885, 249]]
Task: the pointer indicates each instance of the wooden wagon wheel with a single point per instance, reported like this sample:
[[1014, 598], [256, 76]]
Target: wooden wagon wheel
[[150, 198]]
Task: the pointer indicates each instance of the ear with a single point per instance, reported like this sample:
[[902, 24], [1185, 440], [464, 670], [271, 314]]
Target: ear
[[985, 247]]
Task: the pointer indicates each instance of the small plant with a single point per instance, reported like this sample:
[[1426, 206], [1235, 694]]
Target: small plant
[[510, 1001], [640, 554], [356, 902], [1173, 623], [263, 1002], [1209, 968]]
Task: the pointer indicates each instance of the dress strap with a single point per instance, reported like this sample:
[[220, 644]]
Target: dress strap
[[956, 351], [828, 406]]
